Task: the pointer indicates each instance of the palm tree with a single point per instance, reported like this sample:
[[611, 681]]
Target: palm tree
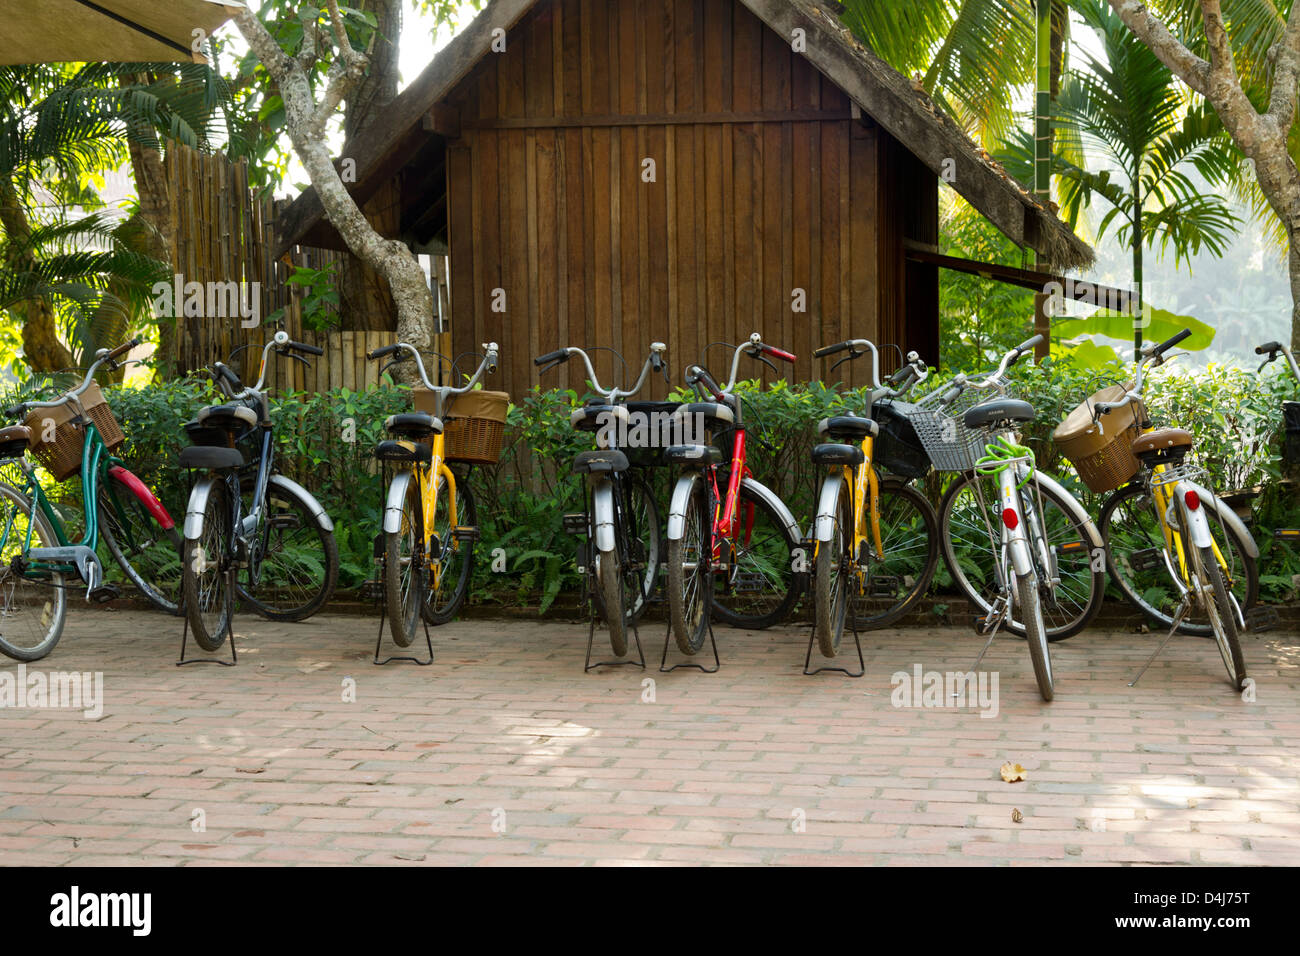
[[1125, 111]]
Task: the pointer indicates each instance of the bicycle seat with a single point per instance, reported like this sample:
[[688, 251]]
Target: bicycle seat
[[413, 425], [997, 411], [852, 427], [407, 452], [1163, 442], [836, 454], [693, 455], [592, 418], [713, 413], [14, 441], [600, 461], [211, 456], [231, 417]]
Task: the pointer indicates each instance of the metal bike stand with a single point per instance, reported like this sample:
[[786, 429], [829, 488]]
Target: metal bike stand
[[230, 630], [591, 636], [807, 660], [685, 664], [379, 639]]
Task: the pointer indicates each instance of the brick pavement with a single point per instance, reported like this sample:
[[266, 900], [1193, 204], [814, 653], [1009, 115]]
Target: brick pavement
[[505, 752]]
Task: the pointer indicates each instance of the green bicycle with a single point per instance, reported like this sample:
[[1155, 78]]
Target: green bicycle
[[38, 560]]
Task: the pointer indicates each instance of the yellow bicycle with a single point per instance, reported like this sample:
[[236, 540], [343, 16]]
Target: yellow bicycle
[[429, 524]]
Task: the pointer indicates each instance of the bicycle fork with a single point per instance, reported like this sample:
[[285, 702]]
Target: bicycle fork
[[1013, 549]]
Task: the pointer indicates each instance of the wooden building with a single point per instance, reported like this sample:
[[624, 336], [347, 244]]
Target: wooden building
[[613, 172]]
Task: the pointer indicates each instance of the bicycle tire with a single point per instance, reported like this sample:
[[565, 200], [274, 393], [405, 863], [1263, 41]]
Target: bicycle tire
[[771, 559], [19, 602], [690, 619], [294, 609], [404, 577], [208, 606], [833, 574], [467, 515], [1223, 619], [920, 583], [609, 583], [157, 577], [1040, 653], [1132, 504]]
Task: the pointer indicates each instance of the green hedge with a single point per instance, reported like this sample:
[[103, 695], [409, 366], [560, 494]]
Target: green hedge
[[325, 441]]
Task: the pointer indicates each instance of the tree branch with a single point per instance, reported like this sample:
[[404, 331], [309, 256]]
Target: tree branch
[[1223, 68], [307, 52], [1189, 67], [1286, 74]]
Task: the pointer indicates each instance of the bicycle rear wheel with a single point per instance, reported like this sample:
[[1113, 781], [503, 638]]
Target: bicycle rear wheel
[[298, 560], [148, 554], [909, 538], [205, 578], [1135, 544], [757, 589], [32, 611], [448, 579]]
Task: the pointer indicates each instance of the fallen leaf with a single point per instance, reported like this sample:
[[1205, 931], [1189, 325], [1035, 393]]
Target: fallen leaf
[[250, 770], [1013, 772], [1016, 815], [251, 833]]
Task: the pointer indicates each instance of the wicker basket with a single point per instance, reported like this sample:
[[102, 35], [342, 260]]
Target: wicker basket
[[61, 456], [473, 425], [1100, 450]]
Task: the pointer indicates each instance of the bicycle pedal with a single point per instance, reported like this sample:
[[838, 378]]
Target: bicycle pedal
[[467, 534], [748, 582], [1260, 619], [575, 524], [1290, 535], [581, 556], [1147, 559], [981, 624], [883, 586], [104, 593], [372, 590]]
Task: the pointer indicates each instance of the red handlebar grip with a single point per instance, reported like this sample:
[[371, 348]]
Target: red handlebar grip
[[779, 353]]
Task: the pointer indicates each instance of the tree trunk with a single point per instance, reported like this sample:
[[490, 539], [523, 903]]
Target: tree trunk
[[155, 211], [365, 301], [42, 349], [1139, 312], [1293, 260]]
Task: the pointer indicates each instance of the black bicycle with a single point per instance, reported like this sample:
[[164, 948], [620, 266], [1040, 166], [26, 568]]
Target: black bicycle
[[279, 556]]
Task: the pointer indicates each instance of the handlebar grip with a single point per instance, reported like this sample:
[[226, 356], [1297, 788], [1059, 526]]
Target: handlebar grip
[[1104, 408], [309, 349], [951, 395], [227, 374], [782, 354], [826, 350], [122, 349], [902, 375], [559, 355], [381, 352], [704, 378], [1268, 347], [16, 411], [1170, 343], [1029, 343]]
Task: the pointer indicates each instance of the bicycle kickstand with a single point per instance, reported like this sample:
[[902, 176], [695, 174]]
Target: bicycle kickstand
[[1178, 618]]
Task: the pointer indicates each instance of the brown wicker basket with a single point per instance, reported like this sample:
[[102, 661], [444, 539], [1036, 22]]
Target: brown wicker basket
[[1100, 451], [61, 456], [473, 426]]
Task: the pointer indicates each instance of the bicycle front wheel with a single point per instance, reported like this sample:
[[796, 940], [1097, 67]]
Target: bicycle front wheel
[[757, 588], [909, 540], [1031, 612], [32, 609], [205, 578], [404, 568], [448, 577], [297, 560], [1222, 616], [1077, 579], [1135, 556], [148, 554], [690, 575]]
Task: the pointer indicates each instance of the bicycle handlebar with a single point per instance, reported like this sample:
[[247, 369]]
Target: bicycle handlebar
[[101, 357], [489, 364], [653, 361], [1273, 349], [1151, 355]]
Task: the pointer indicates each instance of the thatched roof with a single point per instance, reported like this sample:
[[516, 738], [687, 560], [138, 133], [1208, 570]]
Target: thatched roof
[[884, 94]]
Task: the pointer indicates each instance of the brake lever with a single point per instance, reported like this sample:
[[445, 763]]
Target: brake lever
[[852, 354], [295, 355], [766, 361], [387, 366]]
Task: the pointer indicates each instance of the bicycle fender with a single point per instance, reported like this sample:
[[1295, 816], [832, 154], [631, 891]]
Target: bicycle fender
[[776, 504], [1077, 510], [291, 487], [824, 526], [680, 503], [1211, 500], [142, 492], [602, 506], [198, 504], [396, 499]]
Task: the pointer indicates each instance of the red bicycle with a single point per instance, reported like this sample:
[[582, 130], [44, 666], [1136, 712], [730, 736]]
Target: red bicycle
[[731, 540]]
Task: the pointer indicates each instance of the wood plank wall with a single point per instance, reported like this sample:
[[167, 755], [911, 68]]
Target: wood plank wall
[[764, 184]]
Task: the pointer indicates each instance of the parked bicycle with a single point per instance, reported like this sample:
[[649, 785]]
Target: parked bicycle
[[620, 521], [430, 523], [74, 435], [875, 538], [1290, 425], [1166, 527], [1064, 545], [279, 554], [731, 540]]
